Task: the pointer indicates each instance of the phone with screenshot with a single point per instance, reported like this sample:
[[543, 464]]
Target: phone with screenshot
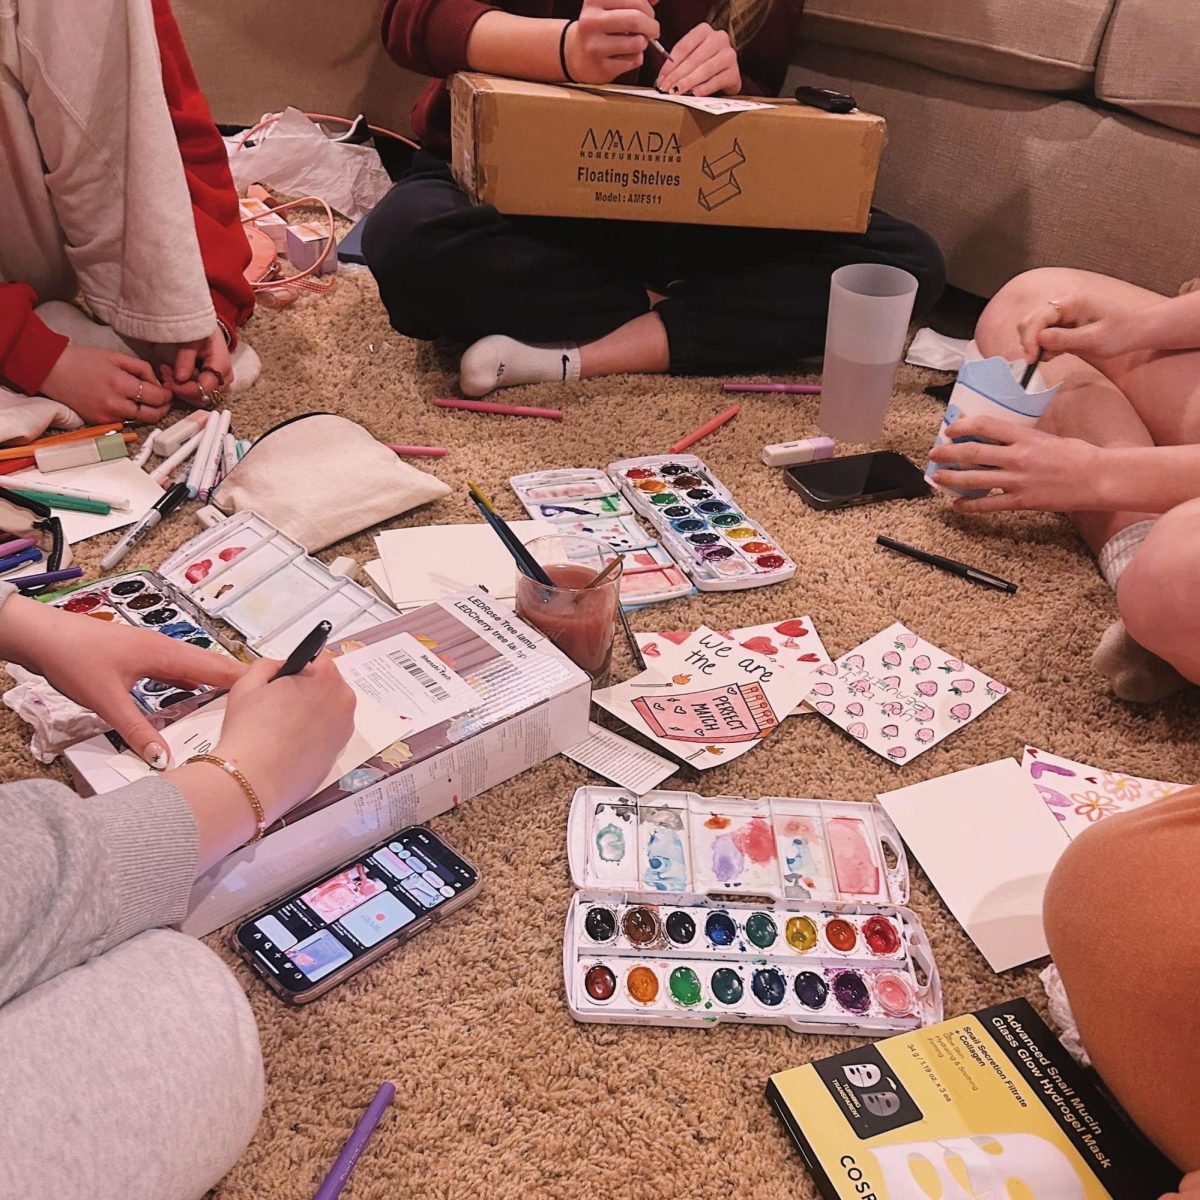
[[857, 479], [308, 943]]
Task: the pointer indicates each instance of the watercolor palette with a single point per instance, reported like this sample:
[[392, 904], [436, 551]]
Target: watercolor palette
[[702, 526], [786, 848], [581, 500], [859, 969], [267, 587], [145, 600]]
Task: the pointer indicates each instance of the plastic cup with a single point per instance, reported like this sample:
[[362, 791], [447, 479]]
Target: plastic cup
[[988, 387], [870, 307], [579, 620]]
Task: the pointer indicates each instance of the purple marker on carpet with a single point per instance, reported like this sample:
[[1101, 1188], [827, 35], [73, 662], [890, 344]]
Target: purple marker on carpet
[[346, 1161], [37, 581]]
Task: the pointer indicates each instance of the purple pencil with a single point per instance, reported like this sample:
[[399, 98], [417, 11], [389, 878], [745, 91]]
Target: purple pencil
[[347, 1160], [791, 389]]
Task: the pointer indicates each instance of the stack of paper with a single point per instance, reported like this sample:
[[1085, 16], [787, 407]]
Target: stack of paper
[[427, 563]]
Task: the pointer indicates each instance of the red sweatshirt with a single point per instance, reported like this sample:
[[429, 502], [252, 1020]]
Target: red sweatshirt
[[28, 349], [430, 36]]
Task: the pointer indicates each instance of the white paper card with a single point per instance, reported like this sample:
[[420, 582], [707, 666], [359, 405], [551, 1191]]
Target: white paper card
[[718, 106], [899, 695], [429, 562], [706, 701], [627, 764], [117, 478], [988, 844], [1079, 795]]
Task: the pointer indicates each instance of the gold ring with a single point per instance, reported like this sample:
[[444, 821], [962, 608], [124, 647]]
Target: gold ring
[[1055, 304], [137, 399]]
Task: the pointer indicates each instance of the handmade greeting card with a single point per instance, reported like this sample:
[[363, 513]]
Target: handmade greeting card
[[1079, 795], [707, 700], [899, 695], [793, 643]]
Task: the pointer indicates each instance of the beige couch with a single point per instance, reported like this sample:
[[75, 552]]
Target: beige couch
[[1023, 132], [1028, 132]]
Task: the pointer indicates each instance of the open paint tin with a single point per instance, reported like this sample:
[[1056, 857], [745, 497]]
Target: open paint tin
[[584, 501], [705, 530], [782, 910]]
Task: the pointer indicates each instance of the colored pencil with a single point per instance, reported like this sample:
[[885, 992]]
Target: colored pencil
[[333, 1183], [417, 451], [505, 410], [790, 389], [705, 429]]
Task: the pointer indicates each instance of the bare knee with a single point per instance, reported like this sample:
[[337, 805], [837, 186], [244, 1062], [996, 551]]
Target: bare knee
[[1157, 592], [996, 332]]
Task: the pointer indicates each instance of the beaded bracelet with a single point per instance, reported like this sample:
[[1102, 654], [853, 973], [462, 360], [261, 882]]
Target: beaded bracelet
[[260, 817]]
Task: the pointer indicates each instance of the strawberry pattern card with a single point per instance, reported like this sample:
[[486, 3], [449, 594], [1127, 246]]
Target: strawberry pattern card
[[794, 642], [1079, 795], [899, 695], [706, 700]]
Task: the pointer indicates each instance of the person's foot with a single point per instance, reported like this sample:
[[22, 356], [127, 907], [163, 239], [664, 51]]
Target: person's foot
[[247, 366], [1135, 674], [498, 362]]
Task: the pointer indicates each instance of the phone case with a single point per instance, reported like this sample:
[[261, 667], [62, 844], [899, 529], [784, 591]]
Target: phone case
[[326, 985]]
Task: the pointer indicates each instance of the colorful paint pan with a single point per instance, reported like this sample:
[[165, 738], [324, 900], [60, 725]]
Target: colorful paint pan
[[642, 984], [702, 526]]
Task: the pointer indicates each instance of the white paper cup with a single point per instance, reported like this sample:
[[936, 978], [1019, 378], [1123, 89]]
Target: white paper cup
[[989, 387], [870, 306]]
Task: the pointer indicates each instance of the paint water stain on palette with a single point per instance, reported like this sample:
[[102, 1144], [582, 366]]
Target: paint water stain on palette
[[201, 569], [740, 853]]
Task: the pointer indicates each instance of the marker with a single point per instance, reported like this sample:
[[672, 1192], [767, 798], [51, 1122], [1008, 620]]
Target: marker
[[705, 429], [347, 1160], [417, 451], [143, 455], [27, 582], [229, 455], [504, 410], [67, 503], [1029, 370], [167, 467], [11, 561], [952, 565], [788, 454], [9, 465], [310, 646], [209, 479], [204, 455], [163, 507], [83, 452], [39, 487], [16, 546], [789, 389]]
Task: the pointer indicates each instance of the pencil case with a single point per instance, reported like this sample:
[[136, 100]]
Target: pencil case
[[319, 478]]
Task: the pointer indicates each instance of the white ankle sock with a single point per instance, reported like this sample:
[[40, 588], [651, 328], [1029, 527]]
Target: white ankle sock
[[1117, 553], [498, 362]]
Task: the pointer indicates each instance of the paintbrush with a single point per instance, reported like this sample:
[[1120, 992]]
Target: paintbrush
[[526, 563], [1029, 370], [601, 576], [638, 657]]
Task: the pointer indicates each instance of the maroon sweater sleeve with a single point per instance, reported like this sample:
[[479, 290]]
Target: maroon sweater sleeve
[[223, 245], [29, 348], [764, 62], [430, 36]]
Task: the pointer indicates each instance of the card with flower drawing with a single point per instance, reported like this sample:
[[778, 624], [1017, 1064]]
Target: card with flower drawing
[[899, 695]]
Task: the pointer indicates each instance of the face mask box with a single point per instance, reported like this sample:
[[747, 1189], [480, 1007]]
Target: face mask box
[[631, 154]]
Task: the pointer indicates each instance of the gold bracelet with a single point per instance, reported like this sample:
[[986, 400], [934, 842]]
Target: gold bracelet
[[260, 817]]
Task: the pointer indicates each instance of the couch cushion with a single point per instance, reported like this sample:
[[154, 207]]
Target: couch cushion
[[1042, 45], [1150, 61]]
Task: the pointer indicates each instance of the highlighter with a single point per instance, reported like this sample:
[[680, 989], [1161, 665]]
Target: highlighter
[[83, 452]]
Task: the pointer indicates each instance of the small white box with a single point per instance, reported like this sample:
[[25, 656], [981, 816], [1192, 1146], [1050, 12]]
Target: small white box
[[305, 241], [271, 223]]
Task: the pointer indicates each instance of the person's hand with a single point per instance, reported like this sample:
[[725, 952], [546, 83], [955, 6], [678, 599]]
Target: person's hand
[[1078, 324], [96, 663], [1189, 1188], [284, 736], [1033, 470], [702, 63], [609, 39], [191, 370], [104, 386]]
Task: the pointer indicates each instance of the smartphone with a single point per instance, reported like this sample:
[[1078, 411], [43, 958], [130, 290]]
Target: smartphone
[[830, 101], [857, 479], [309, 942]]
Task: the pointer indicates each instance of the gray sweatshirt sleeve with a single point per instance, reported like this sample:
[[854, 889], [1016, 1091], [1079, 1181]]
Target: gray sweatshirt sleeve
[[79, 876]]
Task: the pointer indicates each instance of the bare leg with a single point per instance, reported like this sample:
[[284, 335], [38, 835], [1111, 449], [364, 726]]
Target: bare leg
[[637, 347]]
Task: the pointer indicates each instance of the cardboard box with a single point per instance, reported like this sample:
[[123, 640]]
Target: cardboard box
[[305, 242], [630, 154], [533, 704]]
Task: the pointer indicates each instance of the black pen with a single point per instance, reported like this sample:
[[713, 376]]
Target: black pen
[[974, 574], [308, 649]]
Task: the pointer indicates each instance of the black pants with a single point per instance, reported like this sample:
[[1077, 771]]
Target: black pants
[[736, 298]]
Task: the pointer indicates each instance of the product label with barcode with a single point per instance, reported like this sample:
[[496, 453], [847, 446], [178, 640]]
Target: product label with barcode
[[409, 681]]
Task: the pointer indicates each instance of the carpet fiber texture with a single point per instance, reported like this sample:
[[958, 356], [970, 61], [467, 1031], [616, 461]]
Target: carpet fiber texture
[[500, 1094]]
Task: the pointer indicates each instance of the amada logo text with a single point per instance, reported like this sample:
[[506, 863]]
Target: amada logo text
[[615, 142]]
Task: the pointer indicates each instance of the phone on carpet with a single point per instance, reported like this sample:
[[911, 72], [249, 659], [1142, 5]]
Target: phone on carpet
[[305, 945], [857, 479]]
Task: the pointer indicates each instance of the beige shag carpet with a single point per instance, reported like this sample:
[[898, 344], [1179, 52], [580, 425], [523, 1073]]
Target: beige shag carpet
[[500, 1094]]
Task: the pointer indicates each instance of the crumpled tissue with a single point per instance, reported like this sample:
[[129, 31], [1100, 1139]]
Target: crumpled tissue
[[1063, 1017], [57, 721]]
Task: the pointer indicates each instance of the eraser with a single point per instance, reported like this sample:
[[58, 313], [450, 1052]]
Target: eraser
[[344, 565], [209, 515], [788, 454]]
